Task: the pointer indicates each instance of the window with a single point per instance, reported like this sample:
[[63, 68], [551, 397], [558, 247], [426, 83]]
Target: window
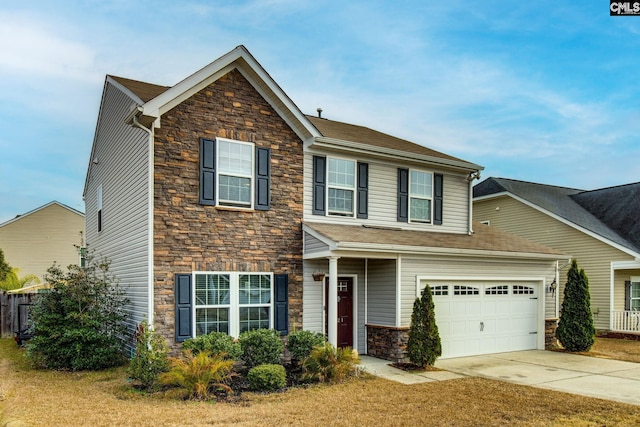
[[635, 296], [497, 290], [420, 195], [465, 290], [232, 302], [523, 290], [341, 186], [235, 173], [440, 290], [99, 207]]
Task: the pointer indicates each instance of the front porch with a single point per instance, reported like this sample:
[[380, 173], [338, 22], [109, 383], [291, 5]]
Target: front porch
[[625, 321]]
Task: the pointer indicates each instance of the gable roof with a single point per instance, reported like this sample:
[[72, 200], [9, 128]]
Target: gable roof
[[143, 91], [609, 213], [378, 141], [52, 203], [485, 241]]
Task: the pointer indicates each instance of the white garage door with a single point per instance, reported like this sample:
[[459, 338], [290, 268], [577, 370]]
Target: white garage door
[[485, 317]]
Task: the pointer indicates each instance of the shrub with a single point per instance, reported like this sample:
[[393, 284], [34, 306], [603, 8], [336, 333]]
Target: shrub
[[301, 343], [575, 329], [260, 346], [199, 375], [150, 359], [214, 342], [267, 377], [424, 346], [80, 323], [327, 363]]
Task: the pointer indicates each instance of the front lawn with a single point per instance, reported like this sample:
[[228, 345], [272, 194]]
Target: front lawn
[[44, 398]]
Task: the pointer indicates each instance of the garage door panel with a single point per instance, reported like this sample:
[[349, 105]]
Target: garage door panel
[[485, 317]]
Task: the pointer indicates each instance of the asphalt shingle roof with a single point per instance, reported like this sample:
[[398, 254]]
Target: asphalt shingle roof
[[611, 213], [484, 238], [365, 135]]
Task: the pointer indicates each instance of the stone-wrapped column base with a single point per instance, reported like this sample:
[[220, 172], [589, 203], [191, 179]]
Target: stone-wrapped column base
[[387, 342], [550, 340]]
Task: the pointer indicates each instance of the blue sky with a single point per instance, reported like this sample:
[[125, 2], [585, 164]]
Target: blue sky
[[541, 91]]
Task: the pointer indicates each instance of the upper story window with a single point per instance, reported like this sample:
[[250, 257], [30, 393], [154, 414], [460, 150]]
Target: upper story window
[[341, 186], [235, 174], [420, 196]]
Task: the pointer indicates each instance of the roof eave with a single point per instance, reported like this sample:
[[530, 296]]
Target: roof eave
[[356, 147]]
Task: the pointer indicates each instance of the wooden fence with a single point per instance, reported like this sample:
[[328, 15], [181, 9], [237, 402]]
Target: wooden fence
[[14, 312]]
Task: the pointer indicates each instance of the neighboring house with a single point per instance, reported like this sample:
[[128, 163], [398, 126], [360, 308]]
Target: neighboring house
[[223, 208], [33, 241], [599, 228]]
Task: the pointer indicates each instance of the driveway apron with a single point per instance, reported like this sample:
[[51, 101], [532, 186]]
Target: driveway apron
[[588, 376]]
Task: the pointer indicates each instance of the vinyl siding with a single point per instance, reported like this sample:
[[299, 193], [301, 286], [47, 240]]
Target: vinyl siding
[[33, 242], [475, 269], [121, 152], [593, 256], [311, 244], [383, 196], [621, 276], [381, 298]]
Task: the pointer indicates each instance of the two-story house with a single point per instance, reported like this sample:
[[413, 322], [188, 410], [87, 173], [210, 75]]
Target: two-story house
[[222, 207]]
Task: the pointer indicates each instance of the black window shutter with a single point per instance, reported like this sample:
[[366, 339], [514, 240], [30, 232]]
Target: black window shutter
[[184, 307], [319, 184], [263, 179], [281, 304], [207, 172], [363, 190], [403, 195], [627, 295], [438, 193]]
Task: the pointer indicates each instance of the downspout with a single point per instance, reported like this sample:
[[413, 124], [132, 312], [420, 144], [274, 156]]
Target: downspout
[[470, 178], [150, 289]]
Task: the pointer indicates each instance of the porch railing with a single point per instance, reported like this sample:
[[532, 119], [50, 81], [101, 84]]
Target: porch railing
[[625, 321]]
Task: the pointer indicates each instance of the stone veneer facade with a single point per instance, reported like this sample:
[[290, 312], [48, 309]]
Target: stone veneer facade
[[388, 342], [192, 237]]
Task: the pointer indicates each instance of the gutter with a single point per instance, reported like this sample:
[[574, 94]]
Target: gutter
[[150, 289]]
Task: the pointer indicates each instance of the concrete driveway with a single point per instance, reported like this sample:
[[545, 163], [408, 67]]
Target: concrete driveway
[[571, 373]]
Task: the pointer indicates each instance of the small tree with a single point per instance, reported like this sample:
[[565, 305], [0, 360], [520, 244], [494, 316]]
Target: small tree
[[79, 324], [424, 345], [151, 357], [575, 329], [5, 268]]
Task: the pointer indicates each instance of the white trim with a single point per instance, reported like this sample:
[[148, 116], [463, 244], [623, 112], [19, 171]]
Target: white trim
[[398, 291], [430, 198], [540, 281], [366, 302], [618, 265], [562, 220], [353, 189], [251, 177]]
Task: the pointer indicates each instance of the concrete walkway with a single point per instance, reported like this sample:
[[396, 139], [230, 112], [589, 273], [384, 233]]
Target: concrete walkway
[[571, 373]]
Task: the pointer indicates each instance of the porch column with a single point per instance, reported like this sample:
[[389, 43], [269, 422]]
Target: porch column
[[332, 302]]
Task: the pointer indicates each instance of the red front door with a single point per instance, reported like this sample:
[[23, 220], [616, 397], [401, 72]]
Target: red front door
[[345, 310]]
